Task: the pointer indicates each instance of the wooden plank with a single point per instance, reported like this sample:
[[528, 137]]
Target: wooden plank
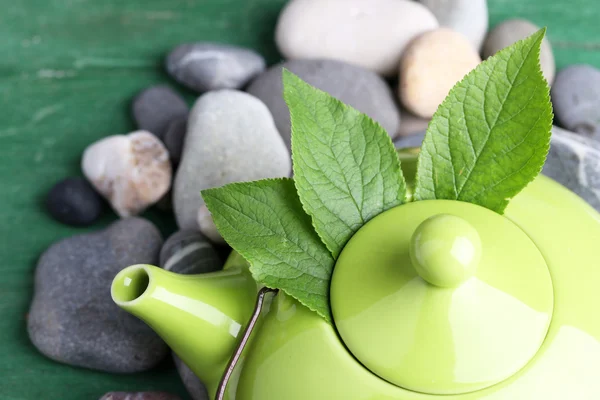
[[68, 71]]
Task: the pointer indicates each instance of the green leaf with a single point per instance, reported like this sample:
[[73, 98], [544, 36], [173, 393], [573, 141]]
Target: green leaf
[[491, 135], [346, 169], [265, 223]]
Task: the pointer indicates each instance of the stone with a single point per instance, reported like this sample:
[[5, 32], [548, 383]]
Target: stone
[[411, 124], [513, 30], [414, 140], [469, 17], [371, 34], [189, 252], [212, 66], [355, 86], [154, 108], [139, 396], [576, 99], [73, 319], [574, 162], [431, 65], [73, 201], [192, 383], [131, 171], [174, 139], [207, 225], [231, 137]]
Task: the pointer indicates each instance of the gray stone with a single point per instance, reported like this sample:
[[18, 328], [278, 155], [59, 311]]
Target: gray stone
[[576, 99], [174, 139], [411, 124], [212, 66], [469, 17], [413, 140], [189, 252], [355, 86], [231, 137], [574, 162], [154, 108], [139, 396], [513, 30], [72, 317], [192, 383]]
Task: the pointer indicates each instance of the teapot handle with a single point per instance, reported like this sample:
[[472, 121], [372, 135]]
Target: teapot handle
[[245, 337]]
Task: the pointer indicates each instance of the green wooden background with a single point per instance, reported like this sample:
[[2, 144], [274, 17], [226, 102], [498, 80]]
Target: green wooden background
[[68, 69]]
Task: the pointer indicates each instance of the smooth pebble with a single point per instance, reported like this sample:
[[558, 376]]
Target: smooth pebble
[[207, 225], [73, 319], [154, 108], [513, 30], [174, 139], [73, 201], [139, 396], [189, 252], [231, 137], [192, 383], [411, 124], [469, 17], [576, 99], [131, 171], [371, 34], [212, 66], [355, 86], [432, 64]]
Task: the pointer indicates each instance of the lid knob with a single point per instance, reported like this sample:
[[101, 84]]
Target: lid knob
[[445, 250]]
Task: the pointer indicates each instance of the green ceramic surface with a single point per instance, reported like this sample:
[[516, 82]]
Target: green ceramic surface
[[296, 355], [435, 339], [200, 317], [445, 250]]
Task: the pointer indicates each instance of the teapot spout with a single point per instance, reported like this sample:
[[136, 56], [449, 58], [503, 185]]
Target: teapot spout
[[201, 317]]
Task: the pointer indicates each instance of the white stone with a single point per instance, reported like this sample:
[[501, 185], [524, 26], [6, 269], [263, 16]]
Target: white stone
[[131, 171], [231, 137], [469, 17], [368, 33], [208, 227]]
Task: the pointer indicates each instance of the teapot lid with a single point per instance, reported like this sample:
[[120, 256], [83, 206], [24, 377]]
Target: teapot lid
[[442, 297]]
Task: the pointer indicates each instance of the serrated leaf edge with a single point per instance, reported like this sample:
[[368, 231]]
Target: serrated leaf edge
[[537, 49]]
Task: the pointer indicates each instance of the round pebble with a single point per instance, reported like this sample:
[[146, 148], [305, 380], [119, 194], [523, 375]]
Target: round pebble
[[192, 383], [72, 318], [174, 138], [355, 86], [432, 64], [469, 17], [154, 108], [211, 66], [74, 201], [207, 226], [576, 99], [231, 137], [189, 252], [139, 396], [131, 171], [411, 124], [371, 34], [513, 30]]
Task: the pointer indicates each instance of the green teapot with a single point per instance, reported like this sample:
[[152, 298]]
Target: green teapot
[[458, 302]]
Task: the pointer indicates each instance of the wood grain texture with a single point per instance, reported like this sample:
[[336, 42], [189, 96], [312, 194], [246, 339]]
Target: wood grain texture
[[67, 73]]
